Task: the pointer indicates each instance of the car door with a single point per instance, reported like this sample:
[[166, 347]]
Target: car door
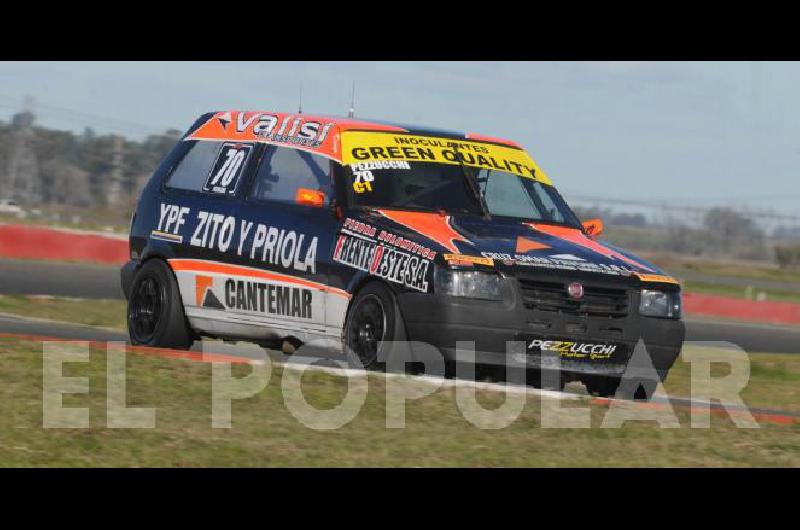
[[198, 222], [288, 239]]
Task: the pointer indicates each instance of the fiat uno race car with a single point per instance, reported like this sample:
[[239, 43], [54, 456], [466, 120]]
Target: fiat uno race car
[[266, 226]]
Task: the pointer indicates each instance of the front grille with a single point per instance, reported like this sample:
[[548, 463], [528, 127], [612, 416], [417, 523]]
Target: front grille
[[553, 296]]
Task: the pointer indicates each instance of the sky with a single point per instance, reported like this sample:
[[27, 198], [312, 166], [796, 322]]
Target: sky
[[690, 133]]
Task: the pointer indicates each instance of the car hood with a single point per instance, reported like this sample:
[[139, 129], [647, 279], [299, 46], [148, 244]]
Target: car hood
[[511, 242]]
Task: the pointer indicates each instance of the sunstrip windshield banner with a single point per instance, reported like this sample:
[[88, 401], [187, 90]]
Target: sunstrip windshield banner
[[358, 146]]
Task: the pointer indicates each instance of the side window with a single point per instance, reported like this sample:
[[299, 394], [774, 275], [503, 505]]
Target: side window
[[283, 171], [505, 195], [213, 167], [553, 211], [193, 169]]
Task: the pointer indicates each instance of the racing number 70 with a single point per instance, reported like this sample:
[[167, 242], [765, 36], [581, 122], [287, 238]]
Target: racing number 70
[[230, 168], [363, 181]]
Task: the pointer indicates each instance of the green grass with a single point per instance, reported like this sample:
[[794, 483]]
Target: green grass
[[774, 380], [766, 272], [264, 432], [737, 291], [721, 268], [103, 313]]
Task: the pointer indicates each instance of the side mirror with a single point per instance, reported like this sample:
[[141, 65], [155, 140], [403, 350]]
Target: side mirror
[[593, 227], [309, 197]]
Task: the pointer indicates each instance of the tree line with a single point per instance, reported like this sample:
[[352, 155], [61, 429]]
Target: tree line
[[41, 166]]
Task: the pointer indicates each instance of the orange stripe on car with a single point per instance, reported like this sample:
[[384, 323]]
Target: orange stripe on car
[[214, 267], [434, 226], [576, 237], [201, 285], [660, 278], [525, 245]]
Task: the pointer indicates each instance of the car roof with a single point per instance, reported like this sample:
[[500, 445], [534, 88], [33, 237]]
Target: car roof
[[344, 123], [345, 139]]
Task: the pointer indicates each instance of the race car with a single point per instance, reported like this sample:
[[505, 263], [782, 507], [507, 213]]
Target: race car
[[266, 226]]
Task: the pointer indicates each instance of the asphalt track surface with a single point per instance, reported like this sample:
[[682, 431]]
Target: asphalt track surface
[[59, 279], [97, 281]]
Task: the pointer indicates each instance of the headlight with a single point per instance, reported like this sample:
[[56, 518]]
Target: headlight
[[470, 284], [660, 304]]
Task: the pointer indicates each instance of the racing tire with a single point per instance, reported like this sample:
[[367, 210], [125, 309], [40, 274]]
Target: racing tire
[[372, 320], [610, 387], [602, 386], [155, 310]]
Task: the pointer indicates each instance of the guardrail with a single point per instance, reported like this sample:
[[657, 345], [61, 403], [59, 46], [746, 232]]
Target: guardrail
[[741, 308], [46, 243]]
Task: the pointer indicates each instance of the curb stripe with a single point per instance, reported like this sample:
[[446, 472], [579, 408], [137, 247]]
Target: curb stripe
[[143, 350]]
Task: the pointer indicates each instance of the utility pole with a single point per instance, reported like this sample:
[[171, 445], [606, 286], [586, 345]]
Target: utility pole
[[22, 173], [116, 177]]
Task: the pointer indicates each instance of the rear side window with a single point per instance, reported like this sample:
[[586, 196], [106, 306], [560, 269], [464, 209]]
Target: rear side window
[[212, 167], [193, 169], [283, 171]]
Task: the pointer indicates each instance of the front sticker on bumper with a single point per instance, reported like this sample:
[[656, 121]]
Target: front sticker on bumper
[[568, 349]]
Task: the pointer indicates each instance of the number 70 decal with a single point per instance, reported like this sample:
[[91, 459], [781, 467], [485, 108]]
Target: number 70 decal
[[227, 170], [363, 181]]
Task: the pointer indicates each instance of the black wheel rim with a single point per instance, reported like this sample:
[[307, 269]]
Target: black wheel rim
[[146, 303], [367, 328]]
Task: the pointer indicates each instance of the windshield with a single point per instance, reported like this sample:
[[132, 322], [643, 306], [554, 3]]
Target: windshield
[[509, 195], [431, 186], [401, 184], [407, 171]]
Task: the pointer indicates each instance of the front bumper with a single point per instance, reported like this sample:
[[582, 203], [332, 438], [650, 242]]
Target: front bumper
[[442, 321]]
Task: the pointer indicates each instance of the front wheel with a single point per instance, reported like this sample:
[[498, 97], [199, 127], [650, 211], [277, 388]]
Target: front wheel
[[155, 309], [371, 323]]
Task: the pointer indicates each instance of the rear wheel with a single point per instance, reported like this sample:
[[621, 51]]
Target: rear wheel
[[371, 323], [155, 309]]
